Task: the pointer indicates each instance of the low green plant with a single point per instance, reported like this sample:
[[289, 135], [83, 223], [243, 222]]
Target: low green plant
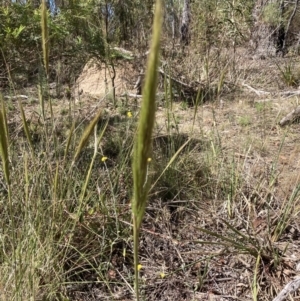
[[244, 121], [288, 75], [184, 105], [286, 214], [262, 106], [242, 243]]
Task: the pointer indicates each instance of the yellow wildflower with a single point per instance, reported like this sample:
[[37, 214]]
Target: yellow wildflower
[[104, 159], [129, 114], [139, 267]]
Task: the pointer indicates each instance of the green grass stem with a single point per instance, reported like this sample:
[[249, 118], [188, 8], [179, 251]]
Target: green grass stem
[[143, 144]]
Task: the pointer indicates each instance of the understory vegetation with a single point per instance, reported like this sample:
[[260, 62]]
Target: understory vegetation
[[188, 192]]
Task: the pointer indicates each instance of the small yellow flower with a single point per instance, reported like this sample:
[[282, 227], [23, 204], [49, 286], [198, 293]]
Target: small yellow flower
[[149, 160], [129, 114], [103, 159], [91, 211], [162, 275], [139, 267]]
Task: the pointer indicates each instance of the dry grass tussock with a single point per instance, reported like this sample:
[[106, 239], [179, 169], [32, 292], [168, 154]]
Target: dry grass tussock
[[222, 221]]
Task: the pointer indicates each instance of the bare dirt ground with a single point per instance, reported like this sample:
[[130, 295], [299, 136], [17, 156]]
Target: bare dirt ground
[[177, 264]]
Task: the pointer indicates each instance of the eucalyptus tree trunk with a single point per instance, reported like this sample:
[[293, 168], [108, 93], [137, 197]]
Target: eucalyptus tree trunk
[[273, 20], [185, 23]]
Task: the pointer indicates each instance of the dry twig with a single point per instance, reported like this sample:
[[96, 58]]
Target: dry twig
[[292, 116], [288, 289]]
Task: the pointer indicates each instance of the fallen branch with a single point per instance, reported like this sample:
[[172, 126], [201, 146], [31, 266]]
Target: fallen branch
[[288, 289], [261, 92], [290, 93], [131, 95], [257, 92], [291, 117], [16, 97], [162, 72]]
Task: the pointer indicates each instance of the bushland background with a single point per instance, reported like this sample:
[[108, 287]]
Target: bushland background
[[222, 221]]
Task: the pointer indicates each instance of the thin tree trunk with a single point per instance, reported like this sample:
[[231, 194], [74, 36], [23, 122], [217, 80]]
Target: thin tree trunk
[[185, 24], [268, 37]]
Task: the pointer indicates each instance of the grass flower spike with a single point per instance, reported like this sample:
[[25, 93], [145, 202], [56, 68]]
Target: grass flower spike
[[143, 143]]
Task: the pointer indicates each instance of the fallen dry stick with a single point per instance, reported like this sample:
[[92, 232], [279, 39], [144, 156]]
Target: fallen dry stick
[[288, 289], [292, 116], [257, 92]]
